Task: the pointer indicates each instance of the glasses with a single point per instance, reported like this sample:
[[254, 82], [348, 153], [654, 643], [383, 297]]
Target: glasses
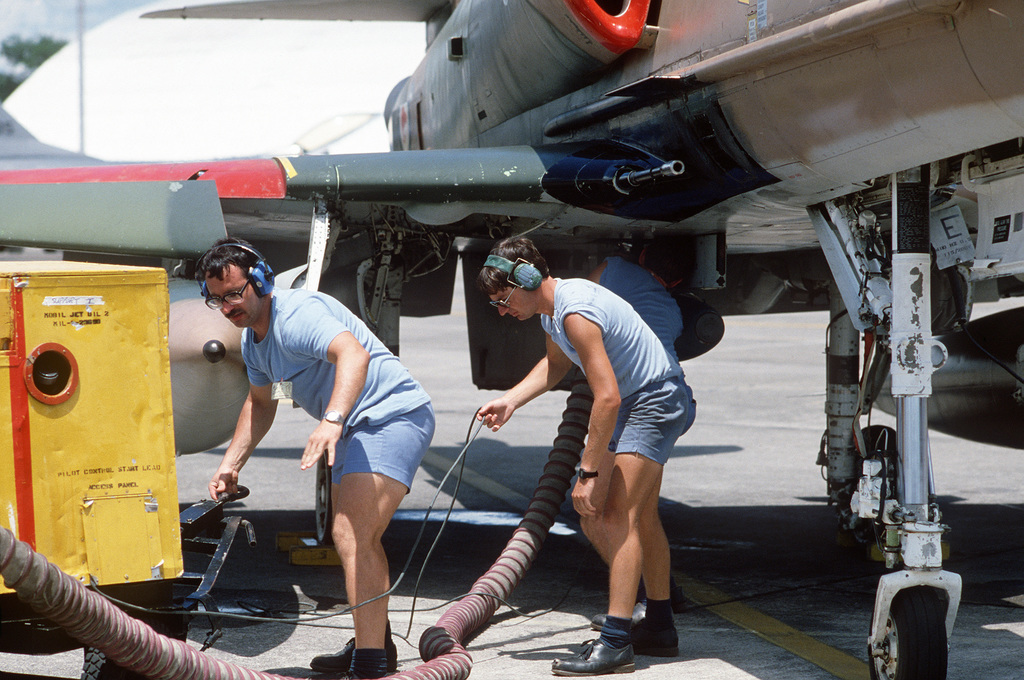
[[503, 303], [232, 298]]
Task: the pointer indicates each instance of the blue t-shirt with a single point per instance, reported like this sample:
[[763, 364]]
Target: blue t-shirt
[[302, 325], [648, 297], [637, 356]]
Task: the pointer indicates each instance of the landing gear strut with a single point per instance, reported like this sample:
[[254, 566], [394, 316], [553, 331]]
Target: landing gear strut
[[887, 293]]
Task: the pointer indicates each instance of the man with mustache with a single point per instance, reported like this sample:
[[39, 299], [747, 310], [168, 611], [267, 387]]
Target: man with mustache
[[375, 424]]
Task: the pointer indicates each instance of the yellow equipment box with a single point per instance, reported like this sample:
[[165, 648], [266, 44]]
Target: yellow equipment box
[[86, 433]]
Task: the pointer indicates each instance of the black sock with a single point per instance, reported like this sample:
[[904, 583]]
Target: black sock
[[659, 615], [615, 633], [368, 663]]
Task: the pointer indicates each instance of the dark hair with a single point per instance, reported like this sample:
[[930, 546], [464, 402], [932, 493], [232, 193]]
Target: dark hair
[[223, 253], [491, 280]]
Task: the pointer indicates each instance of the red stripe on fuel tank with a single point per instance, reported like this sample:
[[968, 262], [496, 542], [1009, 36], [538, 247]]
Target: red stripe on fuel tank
[[23, 492], [617, 33], [258, 178]]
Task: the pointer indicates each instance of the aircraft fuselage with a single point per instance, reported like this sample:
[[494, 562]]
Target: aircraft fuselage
[[784, 102]]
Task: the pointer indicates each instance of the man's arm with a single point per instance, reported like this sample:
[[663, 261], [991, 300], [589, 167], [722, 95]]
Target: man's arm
[[254, 421], [541, 378], [588, 495], [351, 362]]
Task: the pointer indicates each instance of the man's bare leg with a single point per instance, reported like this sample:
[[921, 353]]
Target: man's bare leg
[[633, 481], [363, 506], [654, 544]]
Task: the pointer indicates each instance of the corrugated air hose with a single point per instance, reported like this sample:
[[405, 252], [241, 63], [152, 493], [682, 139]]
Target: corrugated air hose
[[95, 622]]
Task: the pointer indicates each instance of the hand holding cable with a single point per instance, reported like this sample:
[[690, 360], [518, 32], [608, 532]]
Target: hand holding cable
[[496, 412]]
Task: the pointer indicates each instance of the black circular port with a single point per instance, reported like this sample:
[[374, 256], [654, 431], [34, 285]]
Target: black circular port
[[51, 372]]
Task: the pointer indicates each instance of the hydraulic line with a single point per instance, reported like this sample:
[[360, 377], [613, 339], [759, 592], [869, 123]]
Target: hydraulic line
[[135, 646]]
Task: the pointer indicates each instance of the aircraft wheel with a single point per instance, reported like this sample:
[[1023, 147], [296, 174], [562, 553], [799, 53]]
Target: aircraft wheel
[[324, 511], [914, 647]]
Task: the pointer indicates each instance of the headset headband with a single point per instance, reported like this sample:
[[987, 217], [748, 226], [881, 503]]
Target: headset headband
[[260, 275], [520, 273], [248, 249]]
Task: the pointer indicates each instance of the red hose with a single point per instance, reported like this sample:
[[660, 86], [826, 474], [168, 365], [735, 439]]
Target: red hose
[[135, 646], [473, 611]]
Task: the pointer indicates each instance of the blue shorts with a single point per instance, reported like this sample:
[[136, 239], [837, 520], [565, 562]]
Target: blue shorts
[[653, 418], [393, 449]]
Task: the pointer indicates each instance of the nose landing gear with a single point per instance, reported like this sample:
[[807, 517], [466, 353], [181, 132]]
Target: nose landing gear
[[887, 294], [912, 643]]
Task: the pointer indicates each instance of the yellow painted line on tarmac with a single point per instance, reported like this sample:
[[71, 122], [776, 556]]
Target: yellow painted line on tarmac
[[839, 664]]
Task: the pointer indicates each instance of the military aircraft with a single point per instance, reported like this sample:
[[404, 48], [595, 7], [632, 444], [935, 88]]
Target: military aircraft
[[860, 154]]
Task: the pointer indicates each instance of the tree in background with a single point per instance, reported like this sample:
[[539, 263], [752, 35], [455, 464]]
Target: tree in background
[[25, 55]]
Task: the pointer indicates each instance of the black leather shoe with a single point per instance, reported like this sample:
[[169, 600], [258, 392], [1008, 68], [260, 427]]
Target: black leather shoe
[[639, 612], [342, 661], [654, 642], [596, 659]]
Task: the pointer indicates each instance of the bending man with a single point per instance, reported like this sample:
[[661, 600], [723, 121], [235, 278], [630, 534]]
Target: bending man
[[375, 424], [641, 406]]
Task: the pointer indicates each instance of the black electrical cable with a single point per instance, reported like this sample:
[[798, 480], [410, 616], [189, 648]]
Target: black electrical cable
[[459, 462], [991, 356], [956, 284], [312, 620]]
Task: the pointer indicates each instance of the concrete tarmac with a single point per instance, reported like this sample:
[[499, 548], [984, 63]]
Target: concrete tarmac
[[771, 595]]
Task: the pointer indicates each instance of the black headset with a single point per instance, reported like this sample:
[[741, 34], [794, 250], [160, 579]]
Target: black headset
[[260, 275], [520, 273]]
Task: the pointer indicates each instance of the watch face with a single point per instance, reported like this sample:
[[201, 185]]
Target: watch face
[[332, 417]]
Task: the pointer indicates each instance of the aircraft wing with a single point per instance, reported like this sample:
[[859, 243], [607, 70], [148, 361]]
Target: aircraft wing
[[322, 10], [176, 210]]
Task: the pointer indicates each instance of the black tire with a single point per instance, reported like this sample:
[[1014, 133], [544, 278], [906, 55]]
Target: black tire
[[323, 512], [97, 666], [915, 646]]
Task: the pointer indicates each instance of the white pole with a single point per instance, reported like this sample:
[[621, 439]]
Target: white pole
[[81, 76]]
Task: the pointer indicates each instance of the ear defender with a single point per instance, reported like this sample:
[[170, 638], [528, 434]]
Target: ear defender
[[520, 273], [261, 276]]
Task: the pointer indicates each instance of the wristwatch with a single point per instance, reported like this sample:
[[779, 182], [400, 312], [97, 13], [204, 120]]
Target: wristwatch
[[333, 417], [587, 474]]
